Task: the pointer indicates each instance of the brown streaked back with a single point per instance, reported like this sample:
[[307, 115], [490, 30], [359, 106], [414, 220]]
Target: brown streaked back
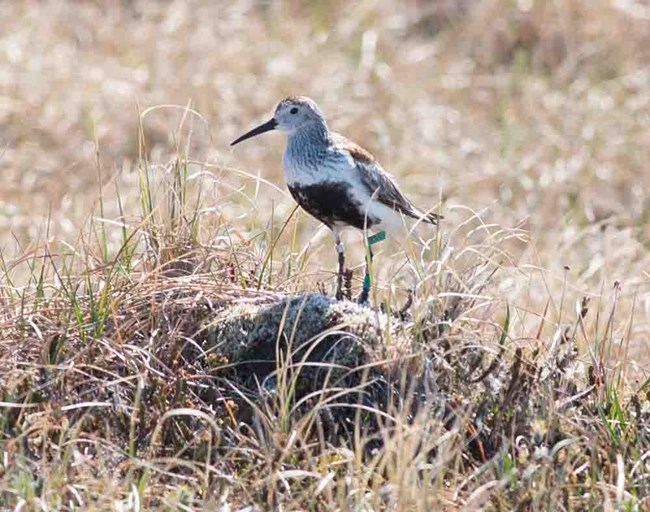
[[356, 151]]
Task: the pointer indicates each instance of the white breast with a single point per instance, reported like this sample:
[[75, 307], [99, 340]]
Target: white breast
[[335, 167]]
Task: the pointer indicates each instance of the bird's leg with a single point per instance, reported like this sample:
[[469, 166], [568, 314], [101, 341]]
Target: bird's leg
[[339, 277], [365, 291]]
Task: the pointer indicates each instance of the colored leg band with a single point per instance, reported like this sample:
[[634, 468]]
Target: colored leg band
[[377, 237]]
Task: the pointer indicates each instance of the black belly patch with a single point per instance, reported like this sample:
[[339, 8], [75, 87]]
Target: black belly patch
[[331, 203]]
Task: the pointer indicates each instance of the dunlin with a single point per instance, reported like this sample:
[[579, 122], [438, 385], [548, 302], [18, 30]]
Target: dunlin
[[337, 181]]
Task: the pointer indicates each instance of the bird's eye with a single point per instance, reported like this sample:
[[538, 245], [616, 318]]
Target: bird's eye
[[294, 110]]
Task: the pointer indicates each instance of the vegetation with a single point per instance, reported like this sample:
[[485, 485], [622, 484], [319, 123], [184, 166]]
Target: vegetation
[[168, 339]]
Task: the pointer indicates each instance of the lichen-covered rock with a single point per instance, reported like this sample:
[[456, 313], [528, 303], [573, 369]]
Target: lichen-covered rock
[[325, 351], [313, 327]]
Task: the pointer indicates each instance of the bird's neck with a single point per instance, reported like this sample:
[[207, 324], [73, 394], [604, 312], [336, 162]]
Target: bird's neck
[[314, 133], [311, 137], [306, 149]]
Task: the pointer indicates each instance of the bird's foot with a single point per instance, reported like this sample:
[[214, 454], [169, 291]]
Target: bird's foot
[[341, 273], [349, 274], [344, 285]]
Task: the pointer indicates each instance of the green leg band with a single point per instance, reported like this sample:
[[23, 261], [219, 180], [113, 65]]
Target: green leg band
[[365, 292], [377, 237]]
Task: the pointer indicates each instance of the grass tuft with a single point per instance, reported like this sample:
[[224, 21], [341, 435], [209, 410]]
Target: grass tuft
[[168, 338]]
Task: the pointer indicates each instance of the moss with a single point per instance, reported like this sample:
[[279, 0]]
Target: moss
[[308, 320], [341, 342], [236, 330]]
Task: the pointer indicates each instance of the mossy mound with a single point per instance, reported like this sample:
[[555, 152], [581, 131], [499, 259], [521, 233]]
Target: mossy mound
[[320, 345]]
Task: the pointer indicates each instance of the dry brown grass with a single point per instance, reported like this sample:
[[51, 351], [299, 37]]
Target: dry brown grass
[[529, 120]]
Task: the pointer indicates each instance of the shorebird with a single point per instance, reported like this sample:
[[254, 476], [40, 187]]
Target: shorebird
[[336, 181]]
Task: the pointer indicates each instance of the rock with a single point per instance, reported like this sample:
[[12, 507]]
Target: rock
[[341, 335], [336, 370]]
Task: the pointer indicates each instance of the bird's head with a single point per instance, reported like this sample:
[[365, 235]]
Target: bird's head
[[296, 112], [291, 115]]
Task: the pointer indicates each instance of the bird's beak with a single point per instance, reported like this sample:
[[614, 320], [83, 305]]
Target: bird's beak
[[266, 127]]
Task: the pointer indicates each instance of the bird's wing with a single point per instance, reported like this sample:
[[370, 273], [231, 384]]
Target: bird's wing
[[379, 182]]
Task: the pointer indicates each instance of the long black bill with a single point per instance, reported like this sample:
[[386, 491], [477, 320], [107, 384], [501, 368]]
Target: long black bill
[[266, 127]]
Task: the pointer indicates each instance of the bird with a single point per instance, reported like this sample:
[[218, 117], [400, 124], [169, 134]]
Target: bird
[[337, 181]]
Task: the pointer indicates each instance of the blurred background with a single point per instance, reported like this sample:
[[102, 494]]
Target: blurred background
[[533, 113]]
